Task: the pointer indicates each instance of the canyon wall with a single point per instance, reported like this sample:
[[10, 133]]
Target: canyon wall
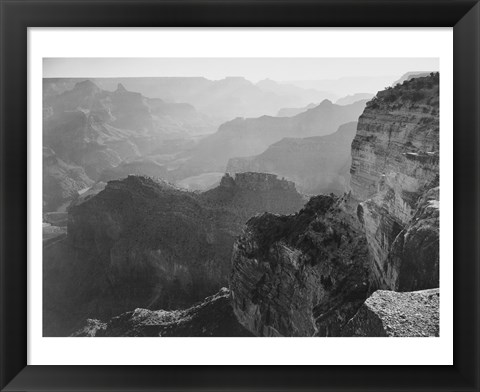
[[309, 274], [395, 160], [300, 275]]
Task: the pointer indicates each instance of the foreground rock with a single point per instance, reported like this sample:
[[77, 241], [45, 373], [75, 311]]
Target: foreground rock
[[211, 317], [388, 313], [300, 275]]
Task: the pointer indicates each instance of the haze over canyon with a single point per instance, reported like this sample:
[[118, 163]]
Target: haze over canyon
[[185, 206]]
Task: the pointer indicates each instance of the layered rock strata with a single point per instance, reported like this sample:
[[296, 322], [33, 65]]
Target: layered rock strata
[[308, 274], [395, 160]]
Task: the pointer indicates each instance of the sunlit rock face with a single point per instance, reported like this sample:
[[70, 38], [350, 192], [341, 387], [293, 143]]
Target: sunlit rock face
[[395, 160]]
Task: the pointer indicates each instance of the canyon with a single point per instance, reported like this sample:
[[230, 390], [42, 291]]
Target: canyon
[[141, 242], [89, 131], [321, 224], [243, 137], [383, 234], [317, 164]]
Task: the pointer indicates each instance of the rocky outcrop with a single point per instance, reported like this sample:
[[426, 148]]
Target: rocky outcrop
[[252, 193], [388, 313], [212, 317], [318, 164], [300, 275], [308, 274], [413, 261], [395, 160], [144, 243]]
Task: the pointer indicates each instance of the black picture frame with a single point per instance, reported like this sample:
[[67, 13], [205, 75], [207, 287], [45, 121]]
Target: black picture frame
[[18, 15]]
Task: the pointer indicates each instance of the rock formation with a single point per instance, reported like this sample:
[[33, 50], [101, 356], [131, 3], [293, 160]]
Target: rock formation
[[212, 317], [144, 243], [300, 275], [388, 313], [413, 261], [150, 246], [309, 274], [395, 160], [318, 164]]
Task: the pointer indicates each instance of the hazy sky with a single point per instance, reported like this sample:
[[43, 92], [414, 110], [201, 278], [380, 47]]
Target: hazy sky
[[253, 69]]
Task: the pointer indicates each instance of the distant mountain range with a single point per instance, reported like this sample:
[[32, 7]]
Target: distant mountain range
[[222, 99], [245, 137], [349, 99], [89, 130], [348, 85]]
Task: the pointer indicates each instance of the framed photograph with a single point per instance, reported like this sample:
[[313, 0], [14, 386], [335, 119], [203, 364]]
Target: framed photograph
[[270, 195]]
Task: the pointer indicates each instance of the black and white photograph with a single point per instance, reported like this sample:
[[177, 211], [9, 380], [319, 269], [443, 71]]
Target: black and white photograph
[[241, 197]]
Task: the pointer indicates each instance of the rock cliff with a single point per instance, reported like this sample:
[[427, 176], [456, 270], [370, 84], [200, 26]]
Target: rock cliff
[[308, 274], [395, 160], [300, 275]]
